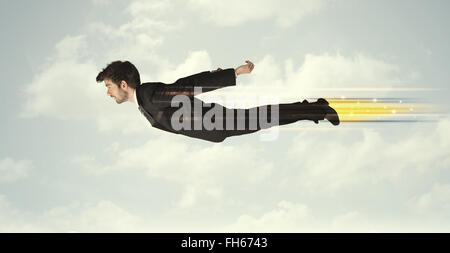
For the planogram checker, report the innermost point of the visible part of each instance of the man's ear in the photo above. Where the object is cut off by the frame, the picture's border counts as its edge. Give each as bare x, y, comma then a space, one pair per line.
123, 84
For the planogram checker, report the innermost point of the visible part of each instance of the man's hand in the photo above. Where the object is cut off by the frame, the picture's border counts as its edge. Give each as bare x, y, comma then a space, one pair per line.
245, 69
218, 69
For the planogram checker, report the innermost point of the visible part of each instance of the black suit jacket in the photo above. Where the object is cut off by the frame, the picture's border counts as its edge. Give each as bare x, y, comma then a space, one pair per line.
154, 100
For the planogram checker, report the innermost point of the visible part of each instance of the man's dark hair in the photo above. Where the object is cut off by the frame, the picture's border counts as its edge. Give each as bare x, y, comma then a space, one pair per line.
118, 71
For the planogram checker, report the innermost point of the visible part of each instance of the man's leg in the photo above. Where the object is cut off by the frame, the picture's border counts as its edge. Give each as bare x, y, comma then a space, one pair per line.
319, 110
262, 117
235, 122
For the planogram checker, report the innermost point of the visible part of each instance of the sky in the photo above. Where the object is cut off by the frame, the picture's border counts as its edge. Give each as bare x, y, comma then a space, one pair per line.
72, 160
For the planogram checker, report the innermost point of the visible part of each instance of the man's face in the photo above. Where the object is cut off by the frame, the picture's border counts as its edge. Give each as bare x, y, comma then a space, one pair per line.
119, 94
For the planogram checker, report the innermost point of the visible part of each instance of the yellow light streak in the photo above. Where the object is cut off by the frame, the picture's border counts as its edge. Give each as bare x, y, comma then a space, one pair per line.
378, 110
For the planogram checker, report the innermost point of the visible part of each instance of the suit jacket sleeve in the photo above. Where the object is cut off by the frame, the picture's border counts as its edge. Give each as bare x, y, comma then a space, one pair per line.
206, 80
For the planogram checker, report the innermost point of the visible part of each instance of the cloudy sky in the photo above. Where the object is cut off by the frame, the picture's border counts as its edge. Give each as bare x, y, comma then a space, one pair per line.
71, 159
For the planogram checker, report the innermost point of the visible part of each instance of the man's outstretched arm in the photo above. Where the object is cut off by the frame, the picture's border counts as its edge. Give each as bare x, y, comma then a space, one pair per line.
207, 80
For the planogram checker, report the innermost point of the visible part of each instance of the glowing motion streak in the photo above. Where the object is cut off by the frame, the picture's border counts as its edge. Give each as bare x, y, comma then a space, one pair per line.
381, 110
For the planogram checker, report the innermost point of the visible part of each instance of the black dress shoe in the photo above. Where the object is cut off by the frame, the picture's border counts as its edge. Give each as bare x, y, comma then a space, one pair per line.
319, 110
330, 114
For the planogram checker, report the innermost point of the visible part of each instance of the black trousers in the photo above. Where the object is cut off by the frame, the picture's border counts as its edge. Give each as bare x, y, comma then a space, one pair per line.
263, 116
216, 126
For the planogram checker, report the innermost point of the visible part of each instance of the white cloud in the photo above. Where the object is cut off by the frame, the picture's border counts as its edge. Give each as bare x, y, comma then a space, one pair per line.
159, 8
214, 162
61, 86
138, 37
101, 216
66, 89
333, 160
287, 217
234, 12
291, 217
107, 216
101, 2
11, 219
320, 75
71, 47
204, 171
350, 222
229, 13
435, 202
196, 61
91, 165
11, 170
335, 70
